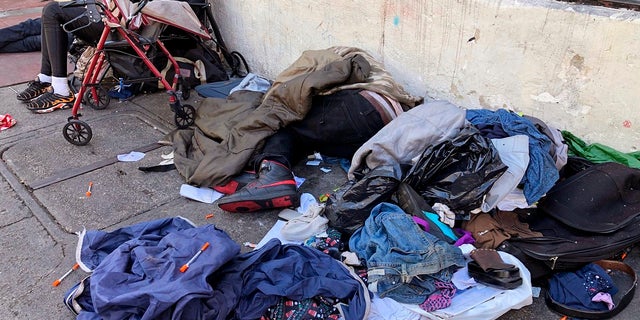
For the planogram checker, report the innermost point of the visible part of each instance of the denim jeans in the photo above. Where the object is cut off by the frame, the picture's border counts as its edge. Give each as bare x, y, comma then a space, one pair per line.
403, 261
22, 37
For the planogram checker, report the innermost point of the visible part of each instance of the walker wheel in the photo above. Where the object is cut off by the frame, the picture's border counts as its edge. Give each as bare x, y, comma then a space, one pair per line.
185, 116
77, 132
101, 101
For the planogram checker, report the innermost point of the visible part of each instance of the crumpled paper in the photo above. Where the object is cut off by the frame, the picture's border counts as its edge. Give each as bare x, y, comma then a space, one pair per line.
131, 156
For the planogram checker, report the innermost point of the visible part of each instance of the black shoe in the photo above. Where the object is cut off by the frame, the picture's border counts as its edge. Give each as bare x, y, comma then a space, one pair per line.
236, 183
506, 279
50, 102
34, 89
487, 267
274, 188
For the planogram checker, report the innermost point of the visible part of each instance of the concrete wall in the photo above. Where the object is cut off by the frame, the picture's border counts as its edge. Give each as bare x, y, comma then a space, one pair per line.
575, 67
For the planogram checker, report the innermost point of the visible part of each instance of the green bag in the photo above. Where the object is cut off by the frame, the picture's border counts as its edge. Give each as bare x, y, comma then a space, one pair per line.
599, 153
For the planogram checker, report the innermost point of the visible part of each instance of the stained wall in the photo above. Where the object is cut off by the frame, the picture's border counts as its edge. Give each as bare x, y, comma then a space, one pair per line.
575, 67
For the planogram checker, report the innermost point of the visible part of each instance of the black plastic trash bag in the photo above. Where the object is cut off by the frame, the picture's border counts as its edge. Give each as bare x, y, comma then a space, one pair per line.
457, 172
349, 206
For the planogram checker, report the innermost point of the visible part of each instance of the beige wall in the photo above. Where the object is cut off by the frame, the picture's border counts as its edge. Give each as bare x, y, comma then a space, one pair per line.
575, 67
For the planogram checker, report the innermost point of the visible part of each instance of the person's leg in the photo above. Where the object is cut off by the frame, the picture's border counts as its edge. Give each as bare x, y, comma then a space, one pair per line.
278, 147
42, 83
12, 36
27, 44
55, 42
338, 124
54, 16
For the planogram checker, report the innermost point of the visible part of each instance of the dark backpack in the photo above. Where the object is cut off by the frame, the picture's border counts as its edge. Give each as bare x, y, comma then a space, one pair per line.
563, 248
590, 216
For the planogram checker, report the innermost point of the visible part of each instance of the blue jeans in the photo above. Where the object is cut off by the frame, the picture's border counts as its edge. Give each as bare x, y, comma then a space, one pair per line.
403, 261
22, 37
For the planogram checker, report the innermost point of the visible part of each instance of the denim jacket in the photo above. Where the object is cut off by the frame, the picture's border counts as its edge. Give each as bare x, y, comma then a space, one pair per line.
403, 261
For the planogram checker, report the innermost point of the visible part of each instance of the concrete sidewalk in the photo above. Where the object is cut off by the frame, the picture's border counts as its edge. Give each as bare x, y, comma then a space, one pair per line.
43, 180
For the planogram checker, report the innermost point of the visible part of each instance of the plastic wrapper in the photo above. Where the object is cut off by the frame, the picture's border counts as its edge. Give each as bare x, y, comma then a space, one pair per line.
457, 172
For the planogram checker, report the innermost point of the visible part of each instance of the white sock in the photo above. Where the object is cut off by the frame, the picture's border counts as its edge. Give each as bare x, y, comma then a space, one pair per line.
44, 78
60, 86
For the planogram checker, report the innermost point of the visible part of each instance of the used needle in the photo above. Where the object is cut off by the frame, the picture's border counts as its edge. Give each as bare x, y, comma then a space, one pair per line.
186, 265
88, 193
57, 282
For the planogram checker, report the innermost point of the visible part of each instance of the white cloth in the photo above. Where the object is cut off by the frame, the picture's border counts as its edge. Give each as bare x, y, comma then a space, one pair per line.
408, 135
515, 199
389, 309
514, 153
309, 224
445, 214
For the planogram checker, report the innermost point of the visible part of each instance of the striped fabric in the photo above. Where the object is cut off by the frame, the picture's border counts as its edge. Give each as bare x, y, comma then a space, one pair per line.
388, 108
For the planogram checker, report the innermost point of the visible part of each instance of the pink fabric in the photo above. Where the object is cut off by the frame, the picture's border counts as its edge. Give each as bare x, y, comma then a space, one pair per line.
6, 122
441, 298
604, 297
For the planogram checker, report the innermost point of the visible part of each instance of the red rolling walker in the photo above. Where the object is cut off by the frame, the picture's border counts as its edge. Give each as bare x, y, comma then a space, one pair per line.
127, 20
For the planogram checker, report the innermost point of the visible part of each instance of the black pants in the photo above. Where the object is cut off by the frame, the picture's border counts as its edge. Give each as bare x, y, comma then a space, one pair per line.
336, 126
55, 39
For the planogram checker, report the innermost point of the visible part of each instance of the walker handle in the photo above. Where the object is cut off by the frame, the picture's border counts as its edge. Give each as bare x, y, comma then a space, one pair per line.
139, 7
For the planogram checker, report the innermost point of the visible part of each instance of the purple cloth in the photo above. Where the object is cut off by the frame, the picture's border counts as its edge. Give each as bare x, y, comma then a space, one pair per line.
465, 238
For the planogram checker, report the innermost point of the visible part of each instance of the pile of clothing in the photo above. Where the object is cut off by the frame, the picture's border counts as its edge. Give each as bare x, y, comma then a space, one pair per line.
415, 231
136, 273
